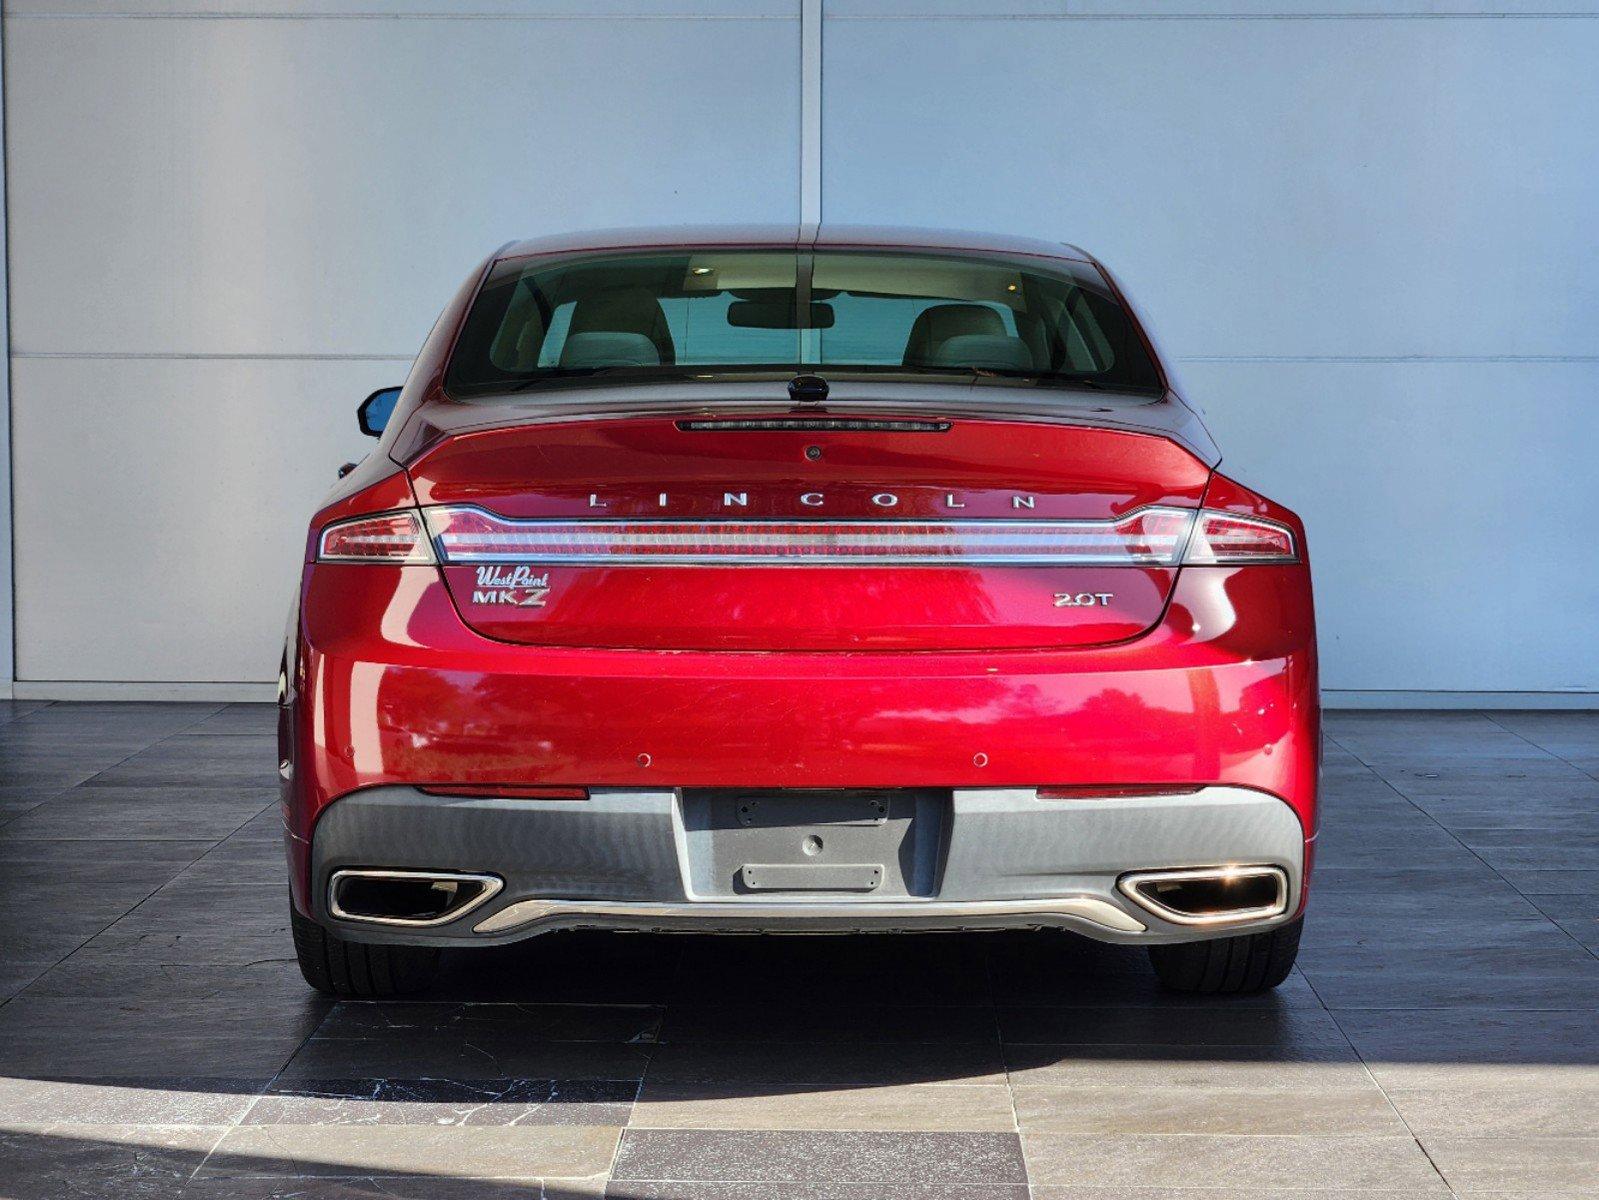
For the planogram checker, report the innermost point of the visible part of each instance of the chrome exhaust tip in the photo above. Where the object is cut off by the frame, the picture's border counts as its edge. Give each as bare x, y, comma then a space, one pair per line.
410, 898
1209, 895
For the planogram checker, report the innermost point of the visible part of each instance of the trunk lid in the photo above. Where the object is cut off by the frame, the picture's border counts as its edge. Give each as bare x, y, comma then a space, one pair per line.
907, 477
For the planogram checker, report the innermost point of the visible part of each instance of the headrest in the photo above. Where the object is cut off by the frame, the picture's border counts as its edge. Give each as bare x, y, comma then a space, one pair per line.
609, 350
935, 325
999, 353
625, 310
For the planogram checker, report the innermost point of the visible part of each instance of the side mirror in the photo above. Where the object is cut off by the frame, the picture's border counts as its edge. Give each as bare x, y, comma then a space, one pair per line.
376, 409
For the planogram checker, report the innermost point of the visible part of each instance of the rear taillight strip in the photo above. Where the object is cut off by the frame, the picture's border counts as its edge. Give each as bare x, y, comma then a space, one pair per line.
1223, 538
1151, 536
394, 537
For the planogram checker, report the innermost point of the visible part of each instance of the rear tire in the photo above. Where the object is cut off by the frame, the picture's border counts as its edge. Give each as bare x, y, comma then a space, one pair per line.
1230, 966
336, 967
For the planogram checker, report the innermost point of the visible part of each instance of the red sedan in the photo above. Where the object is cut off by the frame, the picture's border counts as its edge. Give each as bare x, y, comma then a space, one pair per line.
742, 580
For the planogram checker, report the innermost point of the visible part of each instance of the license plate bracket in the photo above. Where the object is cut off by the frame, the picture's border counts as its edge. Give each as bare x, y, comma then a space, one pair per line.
783, 811
812, 877
872, 843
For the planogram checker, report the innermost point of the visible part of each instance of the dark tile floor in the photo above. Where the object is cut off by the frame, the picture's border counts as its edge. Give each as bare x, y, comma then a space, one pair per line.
1441, 1036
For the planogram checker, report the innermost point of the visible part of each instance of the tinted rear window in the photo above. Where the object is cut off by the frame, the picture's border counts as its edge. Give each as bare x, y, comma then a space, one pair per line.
704, 313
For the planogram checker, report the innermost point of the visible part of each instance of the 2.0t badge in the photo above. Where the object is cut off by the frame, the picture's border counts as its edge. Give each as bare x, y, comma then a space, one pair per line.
513, 586
1083, 599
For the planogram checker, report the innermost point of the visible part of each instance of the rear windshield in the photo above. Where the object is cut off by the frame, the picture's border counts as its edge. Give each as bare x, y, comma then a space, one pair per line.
710, 313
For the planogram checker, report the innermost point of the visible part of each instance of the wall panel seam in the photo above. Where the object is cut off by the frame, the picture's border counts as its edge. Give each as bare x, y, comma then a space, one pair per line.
156, 356
8, 670
1388, 359
1331, 691
1234, 16
314, 356
810, 198
42, 15
1336, 699
166, 15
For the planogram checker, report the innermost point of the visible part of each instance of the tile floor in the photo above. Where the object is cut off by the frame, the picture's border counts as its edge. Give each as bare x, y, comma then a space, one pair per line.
1440, 1038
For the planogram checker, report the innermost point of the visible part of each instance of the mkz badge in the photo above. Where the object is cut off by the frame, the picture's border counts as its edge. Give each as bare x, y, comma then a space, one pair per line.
517, 587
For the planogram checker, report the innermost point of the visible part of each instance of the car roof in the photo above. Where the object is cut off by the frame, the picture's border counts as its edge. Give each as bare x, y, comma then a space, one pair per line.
899, 237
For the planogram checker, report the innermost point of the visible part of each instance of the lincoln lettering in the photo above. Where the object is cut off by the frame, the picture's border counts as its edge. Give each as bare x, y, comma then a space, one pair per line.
741, 500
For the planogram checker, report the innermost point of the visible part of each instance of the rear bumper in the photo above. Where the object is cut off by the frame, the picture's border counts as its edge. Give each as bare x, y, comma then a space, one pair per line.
387, 689
628, 860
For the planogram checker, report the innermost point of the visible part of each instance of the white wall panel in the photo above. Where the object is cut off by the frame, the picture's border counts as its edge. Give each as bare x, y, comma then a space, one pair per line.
1365, 227
1371, 245
1443, 506
216, 222
322, 186
161, 509
1275, 187
386, 9
1206, 9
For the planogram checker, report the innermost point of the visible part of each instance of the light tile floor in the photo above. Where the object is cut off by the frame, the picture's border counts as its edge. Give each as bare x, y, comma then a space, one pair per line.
1440, 1037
